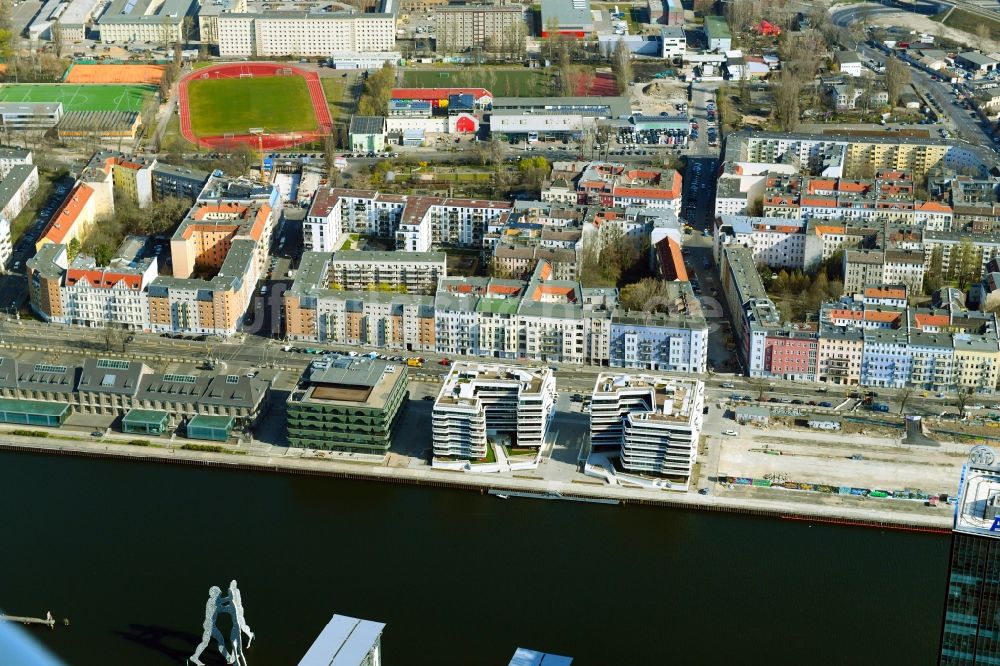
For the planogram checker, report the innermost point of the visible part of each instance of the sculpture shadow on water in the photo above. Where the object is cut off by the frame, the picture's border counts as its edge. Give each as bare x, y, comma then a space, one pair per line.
177, 645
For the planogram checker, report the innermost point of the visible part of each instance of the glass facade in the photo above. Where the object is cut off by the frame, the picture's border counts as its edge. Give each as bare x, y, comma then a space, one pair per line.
971, 632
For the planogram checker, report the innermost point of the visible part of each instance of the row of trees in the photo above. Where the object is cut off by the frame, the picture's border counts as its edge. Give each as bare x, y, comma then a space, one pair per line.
964, 267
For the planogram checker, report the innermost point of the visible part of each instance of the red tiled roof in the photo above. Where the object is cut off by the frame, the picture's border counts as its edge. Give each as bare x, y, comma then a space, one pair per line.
68, 213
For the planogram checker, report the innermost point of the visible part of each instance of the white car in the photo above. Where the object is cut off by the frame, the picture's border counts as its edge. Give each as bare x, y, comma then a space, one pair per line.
730, 433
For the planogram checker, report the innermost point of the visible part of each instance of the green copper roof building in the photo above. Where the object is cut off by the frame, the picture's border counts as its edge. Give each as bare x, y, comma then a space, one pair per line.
351, 404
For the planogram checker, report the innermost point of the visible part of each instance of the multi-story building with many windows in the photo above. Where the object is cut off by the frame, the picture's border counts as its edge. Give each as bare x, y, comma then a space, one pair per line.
970, 633
300, 33
479, 403
655, 422
348, 404
404, 272
491, 28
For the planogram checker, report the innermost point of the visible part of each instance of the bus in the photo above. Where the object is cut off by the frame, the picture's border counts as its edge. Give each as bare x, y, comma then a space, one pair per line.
532, 137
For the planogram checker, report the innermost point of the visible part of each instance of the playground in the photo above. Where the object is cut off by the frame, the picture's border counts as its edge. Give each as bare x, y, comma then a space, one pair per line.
79, 97
219, 105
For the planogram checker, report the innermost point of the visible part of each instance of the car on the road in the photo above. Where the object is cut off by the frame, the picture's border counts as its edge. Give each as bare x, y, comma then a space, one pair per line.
97, 433
826, 403
730, 433
703, 491
727, 385
444, 362
576, 397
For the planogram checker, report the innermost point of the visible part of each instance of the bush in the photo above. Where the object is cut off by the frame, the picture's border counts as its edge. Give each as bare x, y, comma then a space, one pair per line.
139, 442
207, 448
31, 433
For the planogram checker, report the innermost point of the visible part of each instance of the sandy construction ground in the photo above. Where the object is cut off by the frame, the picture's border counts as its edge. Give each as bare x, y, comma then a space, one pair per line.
826, 458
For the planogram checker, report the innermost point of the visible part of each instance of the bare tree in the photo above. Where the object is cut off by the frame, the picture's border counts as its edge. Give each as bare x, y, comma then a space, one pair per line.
962, 399
57, 39
897, 77
115, 335
622, 63
786, 101
904, 397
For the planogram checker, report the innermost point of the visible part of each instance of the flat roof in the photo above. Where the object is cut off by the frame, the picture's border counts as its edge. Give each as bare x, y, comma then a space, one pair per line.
352, 381
33, 407
210, 421
979, 500
344, 641
569, 14
145, 416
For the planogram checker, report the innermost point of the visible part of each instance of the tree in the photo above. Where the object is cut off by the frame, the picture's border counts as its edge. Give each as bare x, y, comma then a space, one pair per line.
622, 63
57, 39
114, 336
897, 77
962, 398
329, 154
646, 295
904, 397
8, 34
786, 101
73, 249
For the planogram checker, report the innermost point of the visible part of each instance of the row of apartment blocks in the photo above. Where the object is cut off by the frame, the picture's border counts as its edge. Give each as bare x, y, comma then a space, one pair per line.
417, 223
873, 254
543, 318
850, 156
952, 203
218, 253
653, 423
872, 339
110, 386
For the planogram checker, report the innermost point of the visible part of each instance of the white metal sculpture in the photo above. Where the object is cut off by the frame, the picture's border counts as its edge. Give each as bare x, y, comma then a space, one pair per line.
231, 605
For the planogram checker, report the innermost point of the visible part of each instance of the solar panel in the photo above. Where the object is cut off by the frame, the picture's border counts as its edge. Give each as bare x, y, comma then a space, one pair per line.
112, 364
180, 379
232, 379
52, 369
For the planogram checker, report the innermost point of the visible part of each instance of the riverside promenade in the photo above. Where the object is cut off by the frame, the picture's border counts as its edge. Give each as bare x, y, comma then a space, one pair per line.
799, 505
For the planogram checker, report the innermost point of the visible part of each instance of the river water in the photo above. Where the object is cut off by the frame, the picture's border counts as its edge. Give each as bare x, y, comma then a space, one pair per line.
128, 551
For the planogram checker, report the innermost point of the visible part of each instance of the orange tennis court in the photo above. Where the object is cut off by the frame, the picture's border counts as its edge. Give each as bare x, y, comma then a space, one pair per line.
147, 74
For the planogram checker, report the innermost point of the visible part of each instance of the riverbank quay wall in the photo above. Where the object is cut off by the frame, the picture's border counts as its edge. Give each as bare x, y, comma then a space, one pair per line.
939, 522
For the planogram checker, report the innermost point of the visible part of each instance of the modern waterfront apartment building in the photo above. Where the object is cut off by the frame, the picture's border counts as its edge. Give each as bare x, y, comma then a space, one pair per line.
655, 422
970, 634
349, 404
479, 402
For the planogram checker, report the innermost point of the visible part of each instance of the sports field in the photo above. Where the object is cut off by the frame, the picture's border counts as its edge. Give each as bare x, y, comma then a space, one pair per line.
521, 82
79, 97
233, 106
145, 74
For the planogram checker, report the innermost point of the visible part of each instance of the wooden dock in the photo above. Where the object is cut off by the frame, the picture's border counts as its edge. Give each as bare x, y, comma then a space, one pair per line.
47, 621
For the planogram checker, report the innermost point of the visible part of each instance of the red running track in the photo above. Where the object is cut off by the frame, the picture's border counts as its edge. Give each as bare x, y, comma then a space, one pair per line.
272, 141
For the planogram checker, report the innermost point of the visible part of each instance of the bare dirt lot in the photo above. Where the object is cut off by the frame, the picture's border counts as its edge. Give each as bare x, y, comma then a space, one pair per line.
826, 459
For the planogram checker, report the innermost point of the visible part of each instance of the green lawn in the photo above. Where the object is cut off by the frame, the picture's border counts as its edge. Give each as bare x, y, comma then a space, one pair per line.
521, 82
232, 106
334, 91
79, 96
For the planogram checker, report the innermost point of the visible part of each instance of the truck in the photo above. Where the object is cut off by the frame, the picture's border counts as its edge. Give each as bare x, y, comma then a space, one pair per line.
414, 363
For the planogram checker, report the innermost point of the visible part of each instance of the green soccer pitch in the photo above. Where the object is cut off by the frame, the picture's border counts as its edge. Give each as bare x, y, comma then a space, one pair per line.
79, 97
233, 106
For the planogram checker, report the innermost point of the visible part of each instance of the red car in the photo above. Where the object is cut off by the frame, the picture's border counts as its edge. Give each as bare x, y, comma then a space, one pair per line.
444, 361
